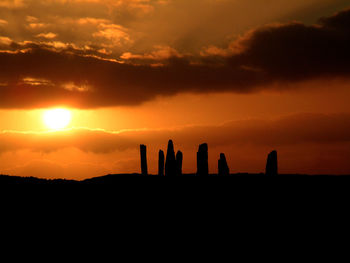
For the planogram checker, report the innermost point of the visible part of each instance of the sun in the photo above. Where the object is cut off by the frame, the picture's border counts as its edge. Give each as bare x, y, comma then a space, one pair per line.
57, 119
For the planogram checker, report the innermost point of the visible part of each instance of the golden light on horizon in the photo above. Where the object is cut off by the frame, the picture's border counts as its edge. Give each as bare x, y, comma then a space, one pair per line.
56, 119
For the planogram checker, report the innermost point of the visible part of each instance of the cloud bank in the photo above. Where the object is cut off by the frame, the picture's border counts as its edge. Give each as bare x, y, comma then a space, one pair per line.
289, 130
41, 75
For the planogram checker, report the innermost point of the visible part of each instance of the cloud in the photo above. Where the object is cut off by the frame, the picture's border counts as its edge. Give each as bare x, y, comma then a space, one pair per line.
162, 53
273, 55
114, 33
286, 131
3, 22
294, 51
49, 35
5, 41
12, 3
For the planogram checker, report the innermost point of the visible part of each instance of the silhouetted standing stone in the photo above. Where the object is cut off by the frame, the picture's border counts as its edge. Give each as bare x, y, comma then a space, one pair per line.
143, 152
179, 159
170, 163
223, 167
202, 160
161, 163
272, 165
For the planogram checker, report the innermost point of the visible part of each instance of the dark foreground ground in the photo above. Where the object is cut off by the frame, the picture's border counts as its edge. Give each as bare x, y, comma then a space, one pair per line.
114, 179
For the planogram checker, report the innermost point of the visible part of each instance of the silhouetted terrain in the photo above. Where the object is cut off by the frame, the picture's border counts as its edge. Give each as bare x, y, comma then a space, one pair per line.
118, 178
5, 179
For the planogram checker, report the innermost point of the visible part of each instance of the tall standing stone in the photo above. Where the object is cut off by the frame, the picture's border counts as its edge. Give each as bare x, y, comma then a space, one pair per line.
170, 163
179, 160
202, 160
272, 164
161, 163
143, 152
222, 165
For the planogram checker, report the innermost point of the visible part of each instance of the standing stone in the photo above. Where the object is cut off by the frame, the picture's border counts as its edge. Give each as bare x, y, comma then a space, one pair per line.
223, 167
170, 163
272, 165
143, 152
202, 160
161, 163
179, 159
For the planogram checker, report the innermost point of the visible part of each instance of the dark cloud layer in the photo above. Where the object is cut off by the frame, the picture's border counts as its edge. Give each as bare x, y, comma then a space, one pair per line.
297, 52
41, 75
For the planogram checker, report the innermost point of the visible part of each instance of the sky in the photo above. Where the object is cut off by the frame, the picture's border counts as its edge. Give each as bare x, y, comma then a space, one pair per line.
247, 77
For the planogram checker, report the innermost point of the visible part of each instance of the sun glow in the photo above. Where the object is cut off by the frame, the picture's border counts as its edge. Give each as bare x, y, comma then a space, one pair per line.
57, 119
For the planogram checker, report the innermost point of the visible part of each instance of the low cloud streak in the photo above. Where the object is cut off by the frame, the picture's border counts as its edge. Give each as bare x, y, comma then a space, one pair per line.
289, 130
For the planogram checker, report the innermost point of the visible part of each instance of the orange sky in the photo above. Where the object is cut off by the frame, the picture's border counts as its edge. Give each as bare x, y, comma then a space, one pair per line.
247, 77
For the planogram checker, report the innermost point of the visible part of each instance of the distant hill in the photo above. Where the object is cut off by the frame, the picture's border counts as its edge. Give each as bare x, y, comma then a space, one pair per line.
6, 179
114, 179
